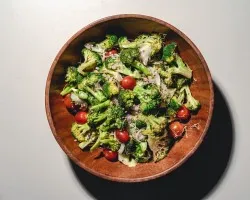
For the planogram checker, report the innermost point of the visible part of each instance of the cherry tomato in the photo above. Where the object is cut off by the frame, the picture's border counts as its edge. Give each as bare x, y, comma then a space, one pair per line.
183, 113
128, 82
81, 117
122, 135
110, 155
68, 102
110, 53
176, 129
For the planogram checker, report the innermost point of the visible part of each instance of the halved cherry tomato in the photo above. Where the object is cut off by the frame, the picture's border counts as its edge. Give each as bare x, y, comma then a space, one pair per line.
110, 53
122, 135
110, 155
68, 102
81, 117
183, 113
128, 82
176, 129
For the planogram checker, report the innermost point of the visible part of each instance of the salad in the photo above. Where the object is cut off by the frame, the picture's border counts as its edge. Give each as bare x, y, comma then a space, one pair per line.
130, 98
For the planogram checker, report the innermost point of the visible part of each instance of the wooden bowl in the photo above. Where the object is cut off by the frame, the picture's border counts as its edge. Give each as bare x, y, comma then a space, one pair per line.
60, 120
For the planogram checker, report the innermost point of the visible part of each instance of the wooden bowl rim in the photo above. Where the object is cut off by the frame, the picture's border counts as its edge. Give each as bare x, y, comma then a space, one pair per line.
47, 97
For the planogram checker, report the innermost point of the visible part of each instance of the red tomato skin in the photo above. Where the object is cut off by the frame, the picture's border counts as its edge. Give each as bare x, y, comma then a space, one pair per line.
110, 53
122, 136
128, 82
110, 155
81, 117
68, 102
183, 113
176, 129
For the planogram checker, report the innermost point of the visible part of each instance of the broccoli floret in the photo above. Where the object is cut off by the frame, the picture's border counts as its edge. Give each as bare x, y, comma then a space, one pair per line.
89, 139
166, 92
181, 81
67, 89
110, 143
191, 103
148, 45
111, 118
92, 100
109, 42
149, 97
106, 44
114, 74
138, 65
175, 103
140, 148
100, 106
106, 140
123, 42
110, 89
94, 78
98, 94
114, 63
140, 124
155, 125
95, 118
91, 84
91, 60
71, 75
181, 69
126, 98
115, 118
79, 131
97, 113
138, 151
177, 100
128, 56
167, 77
141, 153
101, 136
168, 52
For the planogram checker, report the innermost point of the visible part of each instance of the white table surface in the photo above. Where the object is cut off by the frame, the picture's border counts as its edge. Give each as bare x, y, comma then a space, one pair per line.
32, 164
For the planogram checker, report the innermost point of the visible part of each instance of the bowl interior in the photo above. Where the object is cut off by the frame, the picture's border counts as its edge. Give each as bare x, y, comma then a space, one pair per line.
60, 120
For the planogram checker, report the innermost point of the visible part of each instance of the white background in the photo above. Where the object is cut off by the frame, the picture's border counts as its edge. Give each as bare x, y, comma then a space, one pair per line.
32, 164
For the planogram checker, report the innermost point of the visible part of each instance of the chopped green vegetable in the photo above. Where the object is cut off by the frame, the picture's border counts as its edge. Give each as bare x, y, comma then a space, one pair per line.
131, 92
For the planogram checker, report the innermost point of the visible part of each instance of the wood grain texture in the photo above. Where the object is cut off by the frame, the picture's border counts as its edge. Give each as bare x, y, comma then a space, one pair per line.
60, 120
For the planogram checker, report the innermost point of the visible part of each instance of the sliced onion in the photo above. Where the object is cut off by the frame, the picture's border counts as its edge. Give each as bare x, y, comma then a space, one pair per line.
76, 99
122, 147
125, 160
145, 51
